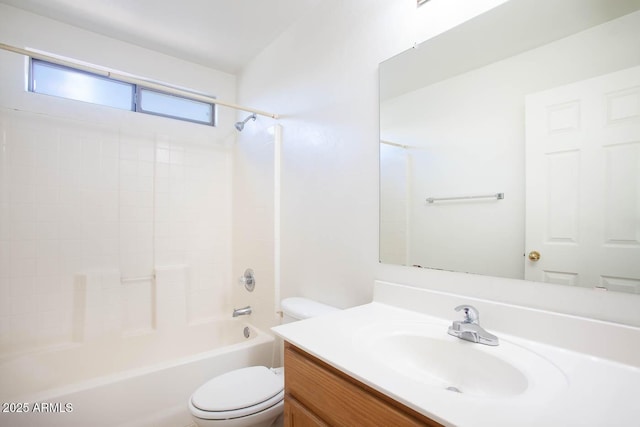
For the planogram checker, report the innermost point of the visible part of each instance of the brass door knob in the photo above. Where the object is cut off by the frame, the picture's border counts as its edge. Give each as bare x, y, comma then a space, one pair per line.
534, 256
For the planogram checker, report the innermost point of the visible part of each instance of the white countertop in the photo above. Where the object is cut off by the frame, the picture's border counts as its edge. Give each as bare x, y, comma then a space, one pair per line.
595, 391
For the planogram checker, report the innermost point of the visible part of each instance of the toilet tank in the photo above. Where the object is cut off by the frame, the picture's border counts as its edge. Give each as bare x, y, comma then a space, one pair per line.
297, 308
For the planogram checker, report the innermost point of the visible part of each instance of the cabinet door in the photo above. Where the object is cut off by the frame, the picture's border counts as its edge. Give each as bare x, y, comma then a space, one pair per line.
296, 415
340, 400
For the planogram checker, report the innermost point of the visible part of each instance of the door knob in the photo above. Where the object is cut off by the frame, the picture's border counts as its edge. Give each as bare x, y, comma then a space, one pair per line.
534, 256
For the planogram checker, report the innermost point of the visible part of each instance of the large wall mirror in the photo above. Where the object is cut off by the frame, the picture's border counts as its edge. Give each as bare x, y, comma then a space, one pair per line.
510, 146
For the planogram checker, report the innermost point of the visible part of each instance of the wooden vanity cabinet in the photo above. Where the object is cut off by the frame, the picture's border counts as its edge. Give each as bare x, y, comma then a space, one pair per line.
317, 394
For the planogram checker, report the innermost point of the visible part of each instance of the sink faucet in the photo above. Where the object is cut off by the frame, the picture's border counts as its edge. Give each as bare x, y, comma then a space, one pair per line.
244, 311
469, 329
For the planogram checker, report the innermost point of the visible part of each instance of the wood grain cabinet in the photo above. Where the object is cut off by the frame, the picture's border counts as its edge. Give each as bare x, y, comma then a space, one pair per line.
317, 394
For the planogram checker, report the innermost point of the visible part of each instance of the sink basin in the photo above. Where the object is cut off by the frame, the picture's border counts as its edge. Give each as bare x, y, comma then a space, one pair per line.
425, 354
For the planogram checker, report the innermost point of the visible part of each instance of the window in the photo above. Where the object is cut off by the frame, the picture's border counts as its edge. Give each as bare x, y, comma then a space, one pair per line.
56, 80
163, 104
65, 82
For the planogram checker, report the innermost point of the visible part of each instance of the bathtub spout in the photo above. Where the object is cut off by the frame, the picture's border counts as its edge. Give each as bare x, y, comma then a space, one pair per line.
244, 311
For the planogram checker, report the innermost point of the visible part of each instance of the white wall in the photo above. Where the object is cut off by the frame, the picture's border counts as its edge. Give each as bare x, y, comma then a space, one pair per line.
91, 189
255, 237
321, 75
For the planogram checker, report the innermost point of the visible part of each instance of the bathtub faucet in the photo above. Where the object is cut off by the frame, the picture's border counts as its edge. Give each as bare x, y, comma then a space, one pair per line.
244, 311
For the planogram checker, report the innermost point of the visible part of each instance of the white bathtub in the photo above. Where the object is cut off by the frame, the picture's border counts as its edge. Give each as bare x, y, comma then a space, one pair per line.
129, 381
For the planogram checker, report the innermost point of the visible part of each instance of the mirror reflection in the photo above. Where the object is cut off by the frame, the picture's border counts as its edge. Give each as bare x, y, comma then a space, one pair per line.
510, 146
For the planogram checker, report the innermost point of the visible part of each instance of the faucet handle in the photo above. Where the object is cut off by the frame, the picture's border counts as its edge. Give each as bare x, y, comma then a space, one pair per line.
471, 314
248, 279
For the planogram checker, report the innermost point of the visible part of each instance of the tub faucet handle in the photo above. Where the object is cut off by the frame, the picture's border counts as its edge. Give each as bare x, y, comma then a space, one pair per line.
248, 279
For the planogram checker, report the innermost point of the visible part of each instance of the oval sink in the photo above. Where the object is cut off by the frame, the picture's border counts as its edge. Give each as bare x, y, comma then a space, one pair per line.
425, 353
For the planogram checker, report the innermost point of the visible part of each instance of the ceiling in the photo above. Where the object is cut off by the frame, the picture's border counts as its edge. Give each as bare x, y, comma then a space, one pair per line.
221, 34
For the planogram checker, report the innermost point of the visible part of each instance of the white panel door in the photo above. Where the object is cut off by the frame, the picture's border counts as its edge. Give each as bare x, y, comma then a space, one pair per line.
583, 183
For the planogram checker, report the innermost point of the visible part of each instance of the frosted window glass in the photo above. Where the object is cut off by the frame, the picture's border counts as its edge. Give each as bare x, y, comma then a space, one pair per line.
56, 80
167, 105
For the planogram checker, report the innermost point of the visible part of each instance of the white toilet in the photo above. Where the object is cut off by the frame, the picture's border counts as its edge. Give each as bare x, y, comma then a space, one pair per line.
253, 396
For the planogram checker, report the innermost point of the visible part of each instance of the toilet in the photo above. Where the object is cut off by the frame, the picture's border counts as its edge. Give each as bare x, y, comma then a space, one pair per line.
253, 396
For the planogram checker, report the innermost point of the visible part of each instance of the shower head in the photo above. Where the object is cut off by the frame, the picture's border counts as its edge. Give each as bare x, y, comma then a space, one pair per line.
240, 125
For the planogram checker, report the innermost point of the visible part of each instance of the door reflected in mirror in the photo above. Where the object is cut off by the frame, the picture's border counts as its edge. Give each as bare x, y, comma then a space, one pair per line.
546, 115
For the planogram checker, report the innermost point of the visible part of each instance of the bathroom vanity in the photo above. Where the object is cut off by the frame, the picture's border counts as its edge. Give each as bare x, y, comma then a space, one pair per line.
392, 362
316, 394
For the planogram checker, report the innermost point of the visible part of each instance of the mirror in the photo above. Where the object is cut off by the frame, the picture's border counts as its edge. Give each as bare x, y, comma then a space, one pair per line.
510, 146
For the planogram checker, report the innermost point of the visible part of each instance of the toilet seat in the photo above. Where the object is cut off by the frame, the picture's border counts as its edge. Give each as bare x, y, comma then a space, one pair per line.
238, 393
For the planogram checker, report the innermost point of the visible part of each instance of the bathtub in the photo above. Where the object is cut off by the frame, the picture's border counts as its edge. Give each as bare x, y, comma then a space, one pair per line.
132, 381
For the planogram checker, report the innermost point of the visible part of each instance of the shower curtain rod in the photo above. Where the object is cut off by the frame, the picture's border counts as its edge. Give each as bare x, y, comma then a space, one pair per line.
134, 80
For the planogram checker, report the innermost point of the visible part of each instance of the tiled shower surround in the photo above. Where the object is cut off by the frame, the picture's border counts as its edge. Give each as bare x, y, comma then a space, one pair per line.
84, 206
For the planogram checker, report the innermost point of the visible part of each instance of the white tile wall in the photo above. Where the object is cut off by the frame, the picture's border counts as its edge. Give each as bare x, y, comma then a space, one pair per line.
78, 198
255, 236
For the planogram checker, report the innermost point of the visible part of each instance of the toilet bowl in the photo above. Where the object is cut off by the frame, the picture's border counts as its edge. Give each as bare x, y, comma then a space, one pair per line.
253, 396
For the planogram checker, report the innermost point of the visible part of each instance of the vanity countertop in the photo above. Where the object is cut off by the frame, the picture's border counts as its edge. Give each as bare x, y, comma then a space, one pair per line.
593, 391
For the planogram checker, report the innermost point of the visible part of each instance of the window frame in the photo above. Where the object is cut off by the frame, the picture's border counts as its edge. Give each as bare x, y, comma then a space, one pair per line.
136, 93
31, 86
138, 106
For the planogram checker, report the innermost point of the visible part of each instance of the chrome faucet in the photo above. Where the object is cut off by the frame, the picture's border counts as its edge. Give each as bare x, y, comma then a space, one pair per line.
469, 329
244, 311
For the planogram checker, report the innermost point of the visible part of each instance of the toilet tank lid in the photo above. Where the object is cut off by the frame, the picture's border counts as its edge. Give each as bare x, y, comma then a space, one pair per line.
303, 308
